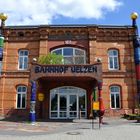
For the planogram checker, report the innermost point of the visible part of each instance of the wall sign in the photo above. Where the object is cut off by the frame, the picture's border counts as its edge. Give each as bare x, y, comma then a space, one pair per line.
65, 69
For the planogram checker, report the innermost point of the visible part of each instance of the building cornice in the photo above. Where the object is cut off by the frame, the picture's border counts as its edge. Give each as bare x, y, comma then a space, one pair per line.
68, 32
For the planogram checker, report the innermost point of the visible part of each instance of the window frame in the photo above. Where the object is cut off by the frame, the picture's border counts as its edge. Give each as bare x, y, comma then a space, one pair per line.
113, 59
21, 97
114, 94
23, 59
73, 56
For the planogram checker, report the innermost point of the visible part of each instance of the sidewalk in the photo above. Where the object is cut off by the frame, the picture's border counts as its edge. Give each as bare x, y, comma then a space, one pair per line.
112, 129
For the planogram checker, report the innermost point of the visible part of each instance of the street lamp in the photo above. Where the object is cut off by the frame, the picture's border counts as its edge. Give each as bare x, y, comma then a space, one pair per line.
3, 18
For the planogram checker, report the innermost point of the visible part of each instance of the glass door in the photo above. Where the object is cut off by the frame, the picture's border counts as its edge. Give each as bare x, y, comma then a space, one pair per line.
68, 103
72, 106
62, 106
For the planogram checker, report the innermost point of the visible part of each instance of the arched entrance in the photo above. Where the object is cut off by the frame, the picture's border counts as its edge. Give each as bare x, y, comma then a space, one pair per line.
73, 96
68, 103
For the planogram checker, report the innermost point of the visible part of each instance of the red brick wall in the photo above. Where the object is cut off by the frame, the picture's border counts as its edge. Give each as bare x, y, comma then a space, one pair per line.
97, 45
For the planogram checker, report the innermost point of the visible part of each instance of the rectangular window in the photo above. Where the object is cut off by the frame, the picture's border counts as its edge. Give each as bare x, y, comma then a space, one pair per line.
115, 97
113, 60
21, 97
23, 60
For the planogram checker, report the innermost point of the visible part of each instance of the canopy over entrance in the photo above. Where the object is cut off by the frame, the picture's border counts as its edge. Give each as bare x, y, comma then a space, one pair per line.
52, 77
88, 70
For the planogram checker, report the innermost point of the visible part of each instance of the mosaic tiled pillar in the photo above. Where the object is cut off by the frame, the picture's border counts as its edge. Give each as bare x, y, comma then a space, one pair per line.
136, 44
1, 47
101, 105
33, 102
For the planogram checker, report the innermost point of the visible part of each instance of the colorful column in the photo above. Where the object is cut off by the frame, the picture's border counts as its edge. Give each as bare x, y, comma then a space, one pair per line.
136, 44
32, 116
3, 17
1, 47
101, 106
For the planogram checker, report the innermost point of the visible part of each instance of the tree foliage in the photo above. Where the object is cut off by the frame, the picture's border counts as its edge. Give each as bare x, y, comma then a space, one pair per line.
50, 58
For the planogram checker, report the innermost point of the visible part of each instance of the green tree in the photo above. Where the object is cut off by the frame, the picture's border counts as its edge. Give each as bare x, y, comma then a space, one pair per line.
50, 58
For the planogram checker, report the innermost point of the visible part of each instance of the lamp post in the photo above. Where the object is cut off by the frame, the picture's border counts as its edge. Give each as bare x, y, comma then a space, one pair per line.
3, 18
136, 45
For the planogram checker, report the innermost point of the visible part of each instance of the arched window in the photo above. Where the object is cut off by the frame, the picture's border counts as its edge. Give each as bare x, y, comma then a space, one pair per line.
115, 97
71, 55
23, 59
21, 97
113, 59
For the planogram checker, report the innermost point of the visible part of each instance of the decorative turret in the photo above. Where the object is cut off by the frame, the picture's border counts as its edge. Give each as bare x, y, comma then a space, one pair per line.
136, 44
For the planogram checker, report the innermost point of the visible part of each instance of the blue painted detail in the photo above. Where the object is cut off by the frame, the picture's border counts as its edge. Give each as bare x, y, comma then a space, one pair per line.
32, 117
33, 91
136, 42
32, 101
1, 54
137, 55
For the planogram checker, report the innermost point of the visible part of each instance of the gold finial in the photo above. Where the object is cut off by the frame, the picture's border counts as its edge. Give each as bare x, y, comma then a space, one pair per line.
134, 15
3, 16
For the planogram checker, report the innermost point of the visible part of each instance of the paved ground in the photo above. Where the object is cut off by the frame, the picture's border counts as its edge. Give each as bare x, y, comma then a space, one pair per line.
112, 129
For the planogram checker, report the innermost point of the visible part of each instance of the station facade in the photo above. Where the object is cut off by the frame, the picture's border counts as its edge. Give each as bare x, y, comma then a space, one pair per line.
95, 58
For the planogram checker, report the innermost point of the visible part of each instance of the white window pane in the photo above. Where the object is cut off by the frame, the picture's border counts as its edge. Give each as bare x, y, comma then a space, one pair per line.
20, 63
58, 52
110, 53
116, 89
25, 53
116, 63
23, 100
68, 60
79, 52
112, 89
112, 101
19, 89
117, 101
79, 60
115, 53
54, 102
18, 100
68, 52
25, 62
23, 89
111, 62
21, 53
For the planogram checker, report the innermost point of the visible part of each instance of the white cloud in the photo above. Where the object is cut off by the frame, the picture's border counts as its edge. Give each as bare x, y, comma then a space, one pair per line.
31, 12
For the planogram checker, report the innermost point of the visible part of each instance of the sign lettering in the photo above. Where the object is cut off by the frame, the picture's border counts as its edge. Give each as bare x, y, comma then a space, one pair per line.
64, 69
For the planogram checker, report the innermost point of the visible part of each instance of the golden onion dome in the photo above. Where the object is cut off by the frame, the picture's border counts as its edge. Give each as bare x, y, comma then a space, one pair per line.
3, 16
134, 15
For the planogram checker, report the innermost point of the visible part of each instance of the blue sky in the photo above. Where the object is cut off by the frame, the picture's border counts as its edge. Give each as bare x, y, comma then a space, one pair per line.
41, 12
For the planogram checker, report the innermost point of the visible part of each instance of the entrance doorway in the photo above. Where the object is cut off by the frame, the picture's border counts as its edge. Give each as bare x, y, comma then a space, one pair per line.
68, 103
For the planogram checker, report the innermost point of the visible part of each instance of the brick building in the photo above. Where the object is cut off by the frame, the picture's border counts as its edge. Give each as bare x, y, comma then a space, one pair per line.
92, 54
